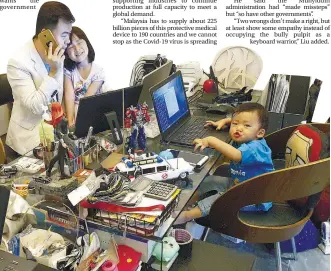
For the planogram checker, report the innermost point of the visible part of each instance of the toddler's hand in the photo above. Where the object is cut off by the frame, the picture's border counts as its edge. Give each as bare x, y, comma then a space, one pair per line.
182, 218
201, 143
218, 124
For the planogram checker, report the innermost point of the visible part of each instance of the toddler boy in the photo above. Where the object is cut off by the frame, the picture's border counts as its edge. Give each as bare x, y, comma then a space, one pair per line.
249, 154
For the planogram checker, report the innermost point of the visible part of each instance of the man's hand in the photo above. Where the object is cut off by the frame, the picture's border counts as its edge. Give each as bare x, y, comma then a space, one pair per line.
55, 60
218, 124
201, 143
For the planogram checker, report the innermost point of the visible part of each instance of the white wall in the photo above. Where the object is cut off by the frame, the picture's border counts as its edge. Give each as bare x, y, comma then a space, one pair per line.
95, 19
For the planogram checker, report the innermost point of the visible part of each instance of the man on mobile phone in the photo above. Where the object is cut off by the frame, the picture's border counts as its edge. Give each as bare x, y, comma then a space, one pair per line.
35, 74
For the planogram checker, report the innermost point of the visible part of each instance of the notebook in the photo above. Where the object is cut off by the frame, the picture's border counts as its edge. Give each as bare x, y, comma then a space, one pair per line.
177, 125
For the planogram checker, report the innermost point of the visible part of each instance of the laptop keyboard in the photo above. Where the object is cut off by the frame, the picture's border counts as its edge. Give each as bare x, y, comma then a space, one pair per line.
194, 129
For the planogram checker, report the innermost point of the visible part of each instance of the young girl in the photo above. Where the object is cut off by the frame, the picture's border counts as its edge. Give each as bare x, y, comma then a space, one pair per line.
82, 76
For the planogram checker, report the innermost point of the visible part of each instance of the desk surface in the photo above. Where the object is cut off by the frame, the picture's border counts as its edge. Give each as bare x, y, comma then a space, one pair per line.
186, 194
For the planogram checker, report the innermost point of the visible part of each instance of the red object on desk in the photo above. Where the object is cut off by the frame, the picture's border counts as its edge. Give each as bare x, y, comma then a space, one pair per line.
109, 266
209, 86
113, 208
129, 258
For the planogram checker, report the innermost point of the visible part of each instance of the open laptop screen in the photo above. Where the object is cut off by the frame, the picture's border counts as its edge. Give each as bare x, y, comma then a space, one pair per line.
170, 102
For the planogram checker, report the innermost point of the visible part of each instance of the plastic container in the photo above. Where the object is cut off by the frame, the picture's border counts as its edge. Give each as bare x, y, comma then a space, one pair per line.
184, 240
20, 186
109, 266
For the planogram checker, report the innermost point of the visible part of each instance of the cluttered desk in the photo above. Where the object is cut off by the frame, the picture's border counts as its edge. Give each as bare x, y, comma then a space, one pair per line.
109, 191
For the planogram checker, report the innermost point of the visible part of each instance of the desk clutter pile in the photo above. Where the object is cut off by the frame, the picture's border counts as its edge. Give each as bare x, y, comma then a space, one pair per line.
48, 218
72, 251
118, 205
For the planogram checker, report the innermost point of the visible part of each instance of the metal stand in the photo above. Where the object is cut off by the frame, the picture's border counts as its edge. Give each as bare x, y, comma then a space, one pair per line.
293, 255
278, 257
294, 249
114, 127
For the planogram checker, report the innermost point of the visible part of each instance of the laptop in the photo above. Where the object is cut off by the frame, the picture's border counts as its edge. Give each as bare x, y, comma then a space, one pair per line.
177, 125
9, 261
151, 80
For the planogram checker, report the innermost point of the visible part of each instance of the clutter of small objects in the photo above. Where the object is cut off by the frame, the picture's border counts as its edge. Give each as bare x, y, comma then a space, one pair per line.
128, 197
57, 195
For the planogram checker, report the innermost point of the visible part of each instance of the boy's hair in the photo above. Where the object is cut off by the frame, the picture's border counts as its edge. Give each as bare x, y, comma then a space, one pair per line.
68, 63
254, 107
49, 15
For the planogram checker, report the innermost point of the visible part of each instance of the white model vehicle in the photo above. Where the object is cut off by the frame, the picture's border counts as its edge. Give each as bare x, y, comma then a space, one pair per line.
156, 168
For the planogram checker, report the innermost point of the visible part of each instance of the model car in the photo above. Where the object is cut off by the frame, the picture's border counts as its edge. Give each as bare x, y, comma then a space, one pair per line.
156, 168
8, 170
42, 179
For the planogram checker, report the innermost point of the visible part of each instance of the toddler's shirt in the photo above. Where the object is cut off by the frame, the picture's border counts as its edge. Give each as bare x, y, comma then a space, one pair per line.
256, 160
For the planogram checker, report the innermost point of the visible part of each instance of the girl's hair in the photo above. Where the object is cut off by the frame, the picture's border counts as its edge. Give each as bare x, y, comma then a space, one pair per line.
68, 63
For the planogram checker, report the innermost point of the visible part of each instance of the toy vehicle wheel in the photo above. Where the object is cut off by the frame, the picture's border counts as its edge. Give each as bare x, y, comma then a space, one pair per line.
183, 175
181, 183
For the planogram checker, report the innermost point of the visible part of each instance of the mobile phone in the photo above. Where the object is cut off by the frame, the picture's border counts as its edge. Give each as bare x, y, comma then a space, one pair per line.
46, 37
195, 159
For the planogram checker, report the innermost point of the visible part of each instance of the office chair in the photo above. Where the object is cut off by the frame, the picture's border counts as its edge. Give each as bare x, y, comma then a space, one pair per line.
6, 94
283, 221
